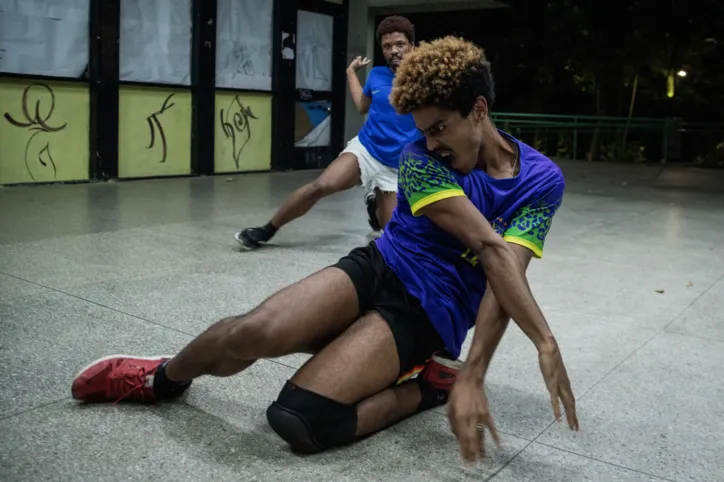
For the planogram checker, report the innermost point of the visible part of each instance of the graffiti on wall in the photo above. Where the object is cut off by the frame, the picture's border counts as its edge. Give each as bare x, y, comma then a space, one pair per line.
39, 132
155, 124
35, 119
154, 132
243, 132
235, 122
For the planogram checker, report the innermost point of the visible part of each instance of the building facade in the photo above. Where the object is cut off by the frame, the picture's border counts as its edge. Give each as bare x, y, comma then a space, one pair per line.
125, 89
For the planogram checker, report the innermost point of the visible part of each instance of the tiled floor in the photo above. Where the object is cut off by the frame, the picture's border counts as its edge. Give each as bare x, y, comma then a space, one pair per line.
632, 283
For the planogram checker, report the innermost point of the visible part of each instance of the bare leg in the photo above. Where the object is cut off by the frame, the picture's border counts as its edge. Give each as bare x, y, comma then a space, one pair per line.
387, 407
342, 174
301, 317
386, 203
361, 362
358, 368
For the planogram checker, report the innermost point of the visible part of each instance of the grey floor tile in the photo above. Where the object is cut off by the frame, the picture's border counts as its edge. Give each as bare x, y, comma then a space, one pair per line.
591, 347
193, 297
656, 242
12, 287
539, 463
48, 338
42, 212
78, 260
170, 442
397, 452
659, 412
317, 231
423, 448
653, 298
704, 318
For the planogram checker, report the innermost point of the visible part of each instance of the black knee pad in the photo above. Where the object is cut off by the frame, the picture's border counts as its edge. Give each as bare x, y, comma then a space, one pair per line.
309, 422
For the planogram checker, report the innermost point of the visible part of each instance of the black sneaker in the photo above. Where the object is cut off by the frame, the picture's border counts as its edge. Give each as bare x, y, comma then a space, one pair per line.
252, 238
371, 202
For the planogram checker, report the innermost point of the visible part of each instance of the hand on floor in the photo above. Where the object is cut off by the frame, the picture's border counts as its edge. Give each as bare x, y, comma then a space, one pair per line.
469, 417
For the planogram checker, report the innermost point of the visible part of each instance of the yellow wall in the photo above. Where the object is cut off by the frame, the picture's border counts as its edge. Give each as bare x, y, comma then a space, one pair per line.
43, 131
154, 132
242, 140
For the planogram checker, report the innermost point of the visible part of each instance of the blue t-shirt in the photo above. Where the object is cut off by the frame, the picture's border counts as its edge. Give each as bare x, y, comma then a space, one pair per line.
385, 133
434, 265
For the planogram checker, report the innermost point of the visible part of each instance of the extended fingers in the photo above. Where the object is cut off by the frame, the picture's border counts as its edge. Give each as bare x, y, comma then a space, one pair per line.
491, 426
468, 438
555, 402
569, 404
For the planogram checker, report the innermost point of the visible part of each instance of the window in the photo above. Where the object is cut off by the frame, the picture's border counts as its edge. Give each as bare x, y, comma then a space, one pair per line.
155, 43
244, 44
44, 37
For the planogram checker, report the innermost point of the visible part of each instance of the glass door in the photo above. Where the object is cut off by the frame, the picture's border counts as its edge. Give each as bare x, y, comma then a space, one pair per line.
318, 110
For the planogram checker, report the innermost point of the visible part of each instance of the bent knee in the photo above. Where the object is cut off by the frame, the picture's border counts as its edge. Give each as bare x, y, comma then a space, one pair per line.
322, 187
309, 422
253, 336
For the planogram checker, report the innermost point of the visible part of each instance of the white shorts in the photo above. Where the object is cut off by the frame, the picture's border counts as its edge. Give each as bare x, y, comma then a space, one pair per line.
373, 173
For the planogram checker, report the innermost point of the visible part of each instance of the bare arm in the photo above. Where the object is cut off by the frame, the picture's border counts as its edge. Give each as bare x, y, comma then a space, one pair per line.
458, 216
355, 88
490, 326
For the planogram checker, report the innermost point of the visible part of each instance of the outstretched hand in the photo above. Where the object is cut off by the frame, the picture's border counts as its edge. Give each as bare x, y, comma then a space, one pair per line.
358, 63
469, 417
558, 384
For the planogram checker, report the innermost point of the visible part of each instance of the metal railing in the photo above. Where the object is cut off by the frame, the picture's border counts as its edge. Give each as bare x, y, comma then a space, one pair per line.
622, 139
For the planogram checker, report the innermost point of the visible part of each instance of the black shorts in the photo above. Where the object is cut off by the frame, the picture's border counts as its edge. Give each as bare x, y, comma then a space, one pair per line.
379, 289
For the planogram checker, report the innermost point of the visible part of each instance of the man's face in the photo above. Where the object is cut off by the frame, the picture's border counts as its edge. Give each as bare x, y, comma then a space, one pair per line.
455, 138
394, 47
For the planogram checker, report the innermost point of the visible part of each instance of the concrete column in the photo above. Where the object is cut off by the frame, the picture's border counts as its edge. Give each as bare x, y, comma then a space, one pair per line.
357, 44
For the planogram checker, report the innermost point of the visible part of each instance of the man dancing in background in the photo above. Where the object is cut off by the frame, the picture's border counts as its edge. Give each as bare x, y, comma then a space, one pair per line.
371, 158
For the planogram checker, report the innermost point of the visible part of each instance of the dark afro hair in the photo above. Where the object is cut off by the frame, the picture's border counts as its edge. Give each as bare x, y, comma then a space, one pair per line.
449, 73
395, 24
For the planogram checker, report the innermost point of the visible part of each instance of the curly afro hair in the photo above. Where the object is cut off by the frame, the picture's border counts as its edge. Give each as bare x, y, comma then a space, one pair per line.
395, 24
449, 73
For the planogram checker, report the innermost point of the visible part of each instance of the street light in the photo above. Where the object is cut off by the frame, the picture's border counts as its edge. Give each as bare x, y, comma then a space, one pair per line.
681, 73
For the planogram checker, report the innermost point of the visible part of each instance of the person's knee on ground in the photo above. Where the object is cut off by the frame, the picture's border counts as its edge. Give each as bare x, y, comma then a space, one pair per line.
312, 423
309, 422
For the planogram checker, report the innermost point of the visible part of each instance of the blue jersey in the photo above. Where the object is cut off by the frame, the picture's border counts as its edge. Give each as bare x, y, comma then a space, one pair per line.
385, 133
435, 266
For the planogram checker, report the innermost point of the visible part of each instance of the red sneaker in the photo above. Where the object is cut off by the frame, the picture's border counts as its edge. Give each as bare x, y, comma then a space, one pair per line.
442, 373
118, 377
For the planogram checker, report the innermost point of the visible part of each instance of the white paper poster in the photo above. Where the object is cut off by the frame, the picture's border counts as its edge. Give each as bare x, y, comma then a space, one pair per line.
155, 43
244, 44
314, 51
44, 37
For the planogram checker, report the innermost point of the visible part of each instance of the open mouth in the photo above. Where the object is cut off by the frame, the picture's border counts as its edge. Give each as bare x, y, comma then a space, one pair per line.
446, 156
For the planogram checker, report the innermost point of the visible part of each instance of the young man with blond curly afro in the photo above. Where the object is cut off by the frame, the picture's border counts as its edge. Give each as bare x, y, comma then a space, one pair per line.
474, 207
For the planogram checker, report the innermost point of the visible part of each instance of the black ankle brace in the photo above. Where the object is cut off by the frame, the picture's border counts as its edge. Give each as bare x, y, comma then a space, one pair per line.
165, 388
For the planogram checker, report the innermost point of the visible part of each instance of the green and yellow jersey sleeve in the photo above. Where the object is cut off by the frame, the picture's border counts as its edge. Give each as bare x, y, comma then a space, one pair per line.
530, 224
423, 180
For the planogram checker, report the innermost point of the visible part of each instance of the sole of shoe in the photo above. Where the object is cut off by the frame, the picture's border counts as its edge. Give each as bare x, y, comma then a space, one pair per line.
242, 243
109, 357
